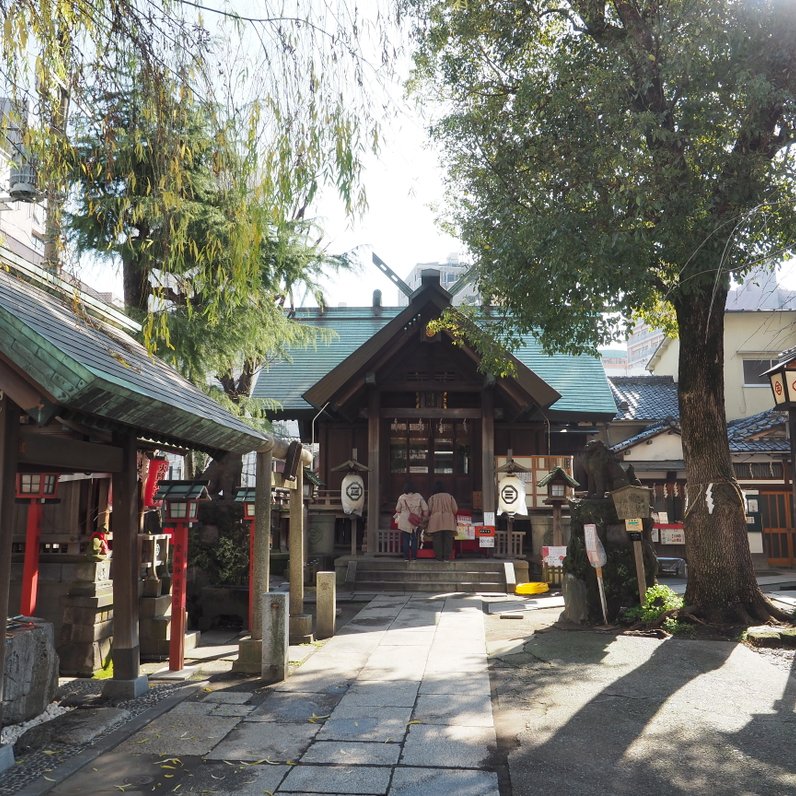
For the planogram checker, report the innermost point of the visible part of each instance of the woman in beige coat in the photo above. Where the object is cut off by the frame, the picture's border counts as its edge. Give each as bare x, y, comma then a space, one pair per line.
442, 522
410, 503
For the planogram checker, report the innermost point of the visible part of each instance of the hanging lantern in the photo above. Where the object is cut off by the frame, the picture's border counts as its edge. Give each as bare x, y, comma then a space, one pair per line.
511, 492
352, 494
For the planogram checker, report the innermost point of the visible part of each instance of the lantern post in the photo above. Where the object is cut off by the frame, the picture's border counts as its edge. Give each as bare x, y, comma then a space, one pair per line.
181, 508
246, 495
35, 489
557, 482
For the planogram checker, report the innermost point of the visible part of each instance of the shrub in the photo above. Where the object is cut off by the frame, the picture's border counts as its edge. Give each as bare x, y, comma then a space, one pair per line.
658, 600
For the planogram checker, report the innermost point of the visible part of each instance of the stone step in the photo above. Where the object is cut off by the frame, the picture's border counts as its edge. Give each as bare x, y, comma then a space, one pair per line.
430, 566
470, 587
432, 577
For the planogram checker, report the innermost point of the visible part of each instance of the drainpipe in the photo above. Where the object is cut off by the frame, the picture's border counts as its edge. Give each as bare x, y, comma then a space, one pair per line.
312, 441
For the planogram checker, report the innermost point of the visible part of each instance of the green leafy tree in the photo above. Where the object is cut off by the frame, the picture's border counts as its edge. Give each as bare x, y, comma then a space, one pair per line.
609, 156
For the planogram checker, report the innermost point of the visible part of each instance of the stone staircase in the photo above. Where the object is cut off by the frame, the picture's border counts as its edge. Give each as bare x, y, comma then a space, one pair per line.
471, 575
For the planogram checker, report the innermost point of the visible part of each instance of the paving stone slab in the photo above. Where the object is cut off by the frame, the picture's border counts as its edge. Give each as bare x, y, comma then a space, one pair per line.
353, 753
347, 711
262, 740
468, 709
370, 728
443, 782
465, 642
340, 662
220, 779
229, 697
448, 746
215, 708
113, 773
378, 694
175, 734
337, 779
315, 683
281, 706
456, 664
414, 637
393, 670
456, 683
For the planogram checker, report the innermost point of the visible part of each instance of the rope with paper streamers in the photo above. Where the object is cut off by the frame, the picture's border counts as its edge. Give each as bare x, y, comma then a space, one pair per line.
707, 489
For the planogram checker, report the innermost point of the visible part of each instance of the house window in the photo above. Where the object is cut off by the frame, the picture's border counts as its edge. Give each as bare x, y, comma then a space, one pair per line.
752, 368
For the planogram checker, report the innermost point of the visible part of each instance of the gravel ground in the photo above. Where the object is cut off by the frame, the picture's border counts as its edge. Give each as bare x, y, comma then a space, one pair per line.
781, 658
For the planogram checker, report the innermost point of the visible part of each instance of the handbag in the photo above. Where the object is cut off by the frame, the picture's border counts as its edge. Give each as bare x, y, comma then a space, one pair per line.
415, 519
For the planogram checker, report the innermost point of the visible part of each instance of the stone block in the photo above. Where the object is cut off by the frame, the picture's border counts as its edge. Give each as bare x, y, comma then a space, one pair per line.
31, 672
82, 660
98, 602
326, 604
250, 656
76, 615
155, 606
84, 633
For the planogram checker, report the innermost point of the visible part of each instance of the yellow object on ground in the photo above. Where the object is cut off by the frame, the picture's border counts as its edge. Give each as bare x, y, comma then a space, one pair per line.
531, 588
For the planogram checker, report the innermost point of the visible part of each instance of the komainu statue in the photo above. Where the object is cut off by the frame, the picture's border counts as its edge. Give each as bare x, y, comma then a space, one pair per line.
598, 470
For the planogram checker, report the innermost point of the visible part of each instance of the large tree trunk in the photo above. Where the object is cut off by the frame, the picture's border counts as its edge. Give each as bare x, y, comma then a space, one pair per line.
721, 582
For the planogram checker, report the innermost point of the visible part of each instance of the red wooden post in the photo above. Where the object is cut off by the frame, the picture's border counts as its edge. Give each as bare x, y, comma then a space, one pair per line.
30, 570
179, 567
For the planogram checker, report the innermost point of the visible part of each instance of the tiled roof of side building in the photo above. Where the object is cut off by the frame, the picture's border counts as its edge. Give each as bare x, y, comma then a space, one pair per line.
580, 380
645, 397
93, 368
667, 425
754, 434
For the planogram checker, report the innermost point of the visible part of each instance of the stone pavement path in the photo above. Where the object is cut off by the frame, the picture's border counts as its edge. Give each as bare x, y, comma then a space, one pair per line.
397, 703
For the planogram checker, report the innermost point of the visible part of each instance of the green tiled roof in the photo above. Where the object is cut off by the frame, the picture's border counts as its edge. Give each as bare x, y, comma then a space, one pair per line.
580, 380
99, 372
286, 382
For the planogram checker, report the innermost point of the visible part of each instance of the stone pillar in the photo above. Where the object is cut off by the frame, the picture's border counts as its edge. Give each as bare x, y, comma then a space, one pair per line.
300, 623
249, 659
275, 642
262, 540
325, 604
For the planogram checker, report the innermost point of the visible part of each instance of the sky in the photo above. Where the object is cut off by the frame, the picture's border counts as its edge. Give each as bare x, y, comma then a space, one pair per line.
405, 191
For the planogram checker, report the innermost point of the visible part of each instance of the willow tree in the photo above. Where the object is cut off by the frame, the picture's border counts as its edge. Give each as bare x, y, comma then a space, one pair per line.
300, 73
607, 156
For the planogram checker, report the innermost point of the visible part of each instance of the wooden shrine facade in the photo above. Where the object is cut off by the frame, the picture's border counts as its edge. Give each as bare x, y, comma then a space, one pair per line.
416, 407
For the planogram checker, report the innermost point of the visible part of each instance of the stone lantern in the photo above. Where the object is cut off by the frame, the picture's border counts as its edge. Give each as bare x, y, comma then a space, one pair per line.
557, 482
